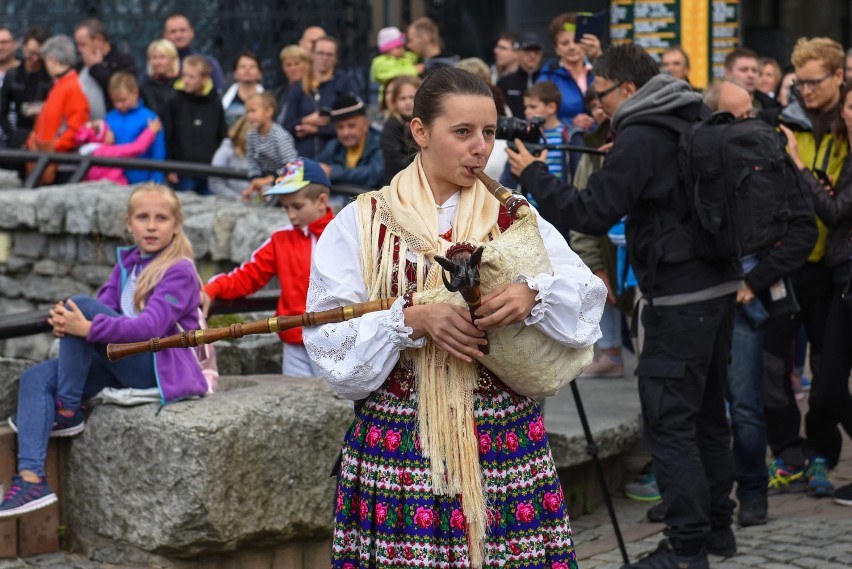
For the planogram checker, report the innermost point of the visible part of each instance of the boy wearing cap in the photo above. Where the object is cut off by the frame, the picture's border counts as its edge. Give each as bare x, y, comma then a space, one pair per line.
355, 157
393, 59
302, 189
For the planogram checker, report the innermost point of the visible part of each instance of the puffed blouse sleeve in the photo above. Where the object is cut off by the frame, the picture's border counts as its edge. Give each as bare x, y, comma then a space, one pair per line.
355, 356
570, 302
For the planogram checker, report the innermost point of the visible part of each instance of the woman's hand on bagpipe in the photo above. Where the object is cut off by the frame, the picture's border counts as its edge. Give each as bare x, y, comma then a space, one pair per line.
505, 305
449, 326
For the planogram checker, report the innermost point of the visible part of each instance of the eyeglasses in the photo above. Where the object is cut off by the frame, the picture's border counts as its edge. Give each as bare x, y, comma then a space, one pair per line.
324, 54
601, 94
811, 83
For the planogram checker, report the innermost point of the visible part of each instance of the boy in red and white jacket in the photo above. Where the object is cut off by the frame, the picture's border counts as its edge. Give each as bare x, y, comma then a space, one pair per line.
303, 190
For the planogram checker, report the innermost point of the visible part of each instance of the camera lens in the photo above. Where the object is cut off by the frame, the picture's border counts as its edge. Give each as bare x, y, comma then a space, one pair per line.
510, 128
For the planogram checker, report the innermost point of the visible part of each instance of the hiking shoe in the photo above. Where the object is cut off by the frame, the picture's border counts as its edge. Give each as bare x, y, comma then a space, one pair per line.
23, 497
819, 485
643, 488
753, 512
665, 557
843, 495
722, 542
62, 426
604, 365
657, 513
783, 480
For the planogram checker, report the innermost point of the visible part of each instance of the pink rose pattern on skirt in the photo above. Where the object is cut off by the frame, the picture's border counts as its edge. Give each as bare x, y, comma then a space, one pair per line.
386, 516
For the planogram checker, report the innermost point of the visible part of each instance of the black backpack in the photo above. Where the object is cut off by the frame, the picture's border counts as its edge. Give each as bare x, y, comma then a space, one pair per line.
735, 173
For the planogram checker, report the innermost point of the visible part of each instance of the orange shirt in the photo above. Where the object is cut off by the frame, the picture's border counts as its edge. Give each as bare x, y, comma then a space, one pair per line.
65, 110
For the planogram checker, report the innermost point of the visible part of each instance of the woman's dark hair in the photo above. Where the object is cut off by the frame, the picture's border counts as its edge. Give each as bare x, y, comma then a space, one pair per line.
40, 35
248, 55
429, 100
839, 130
626, 62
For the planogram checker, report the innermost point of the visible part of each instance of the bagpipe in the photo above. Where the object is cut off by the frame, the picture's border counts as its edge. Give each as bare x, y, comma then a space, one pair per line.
524, 358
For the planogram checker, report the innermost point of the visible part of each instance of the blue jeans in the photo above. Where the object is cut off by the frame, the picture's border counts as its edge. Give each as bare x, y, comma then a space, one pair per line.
610, 328
81, 371
744, 395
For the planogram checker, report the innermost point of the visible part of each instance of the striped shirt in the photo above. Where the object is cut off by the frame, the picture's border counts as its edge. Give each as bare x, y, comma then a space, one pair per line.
555, 163
266, 154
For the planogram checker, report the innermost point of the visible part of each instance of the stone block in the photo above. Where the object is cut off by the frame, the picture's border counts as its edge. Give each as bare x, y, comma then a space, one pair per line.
16, 265
111, 210
197, 230
18, 209
92, 275
252, 230
35, 348
12, 305
51, 289
62, 248
10, 372
222, 229
260, 354
51, 209
9, 179
51, 268
10, 286
246, 467
82, 210
29, 244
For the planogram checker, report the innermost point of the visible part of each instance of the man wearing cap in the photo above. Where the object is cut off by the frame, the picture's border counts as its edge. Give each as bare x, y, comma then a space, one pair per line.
355, 157
529, 48
302, 188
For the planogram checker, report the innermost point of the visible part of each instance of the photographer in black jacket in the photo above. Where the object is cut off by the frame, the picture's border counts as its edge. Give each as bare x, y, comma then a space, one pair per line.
688, 311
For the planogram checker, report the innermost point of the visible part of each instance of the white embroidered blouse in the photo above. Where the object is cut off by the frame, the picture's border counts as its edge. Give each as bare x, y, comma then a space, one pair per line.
356, 356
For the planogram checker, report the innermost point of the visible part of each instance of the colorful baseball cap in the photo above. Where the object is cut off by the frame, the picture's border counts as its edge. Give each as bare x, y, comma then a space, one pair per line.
296, 175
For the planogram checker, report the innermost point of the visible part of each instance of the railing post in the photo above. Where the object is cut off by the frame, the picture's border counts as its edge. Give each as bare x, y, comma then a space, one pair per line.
38, 170
82, 169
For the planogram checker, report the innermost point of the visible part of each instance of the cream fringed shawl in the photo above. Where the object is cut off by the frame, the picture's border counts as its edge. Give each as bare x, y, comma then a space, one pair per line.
445, 384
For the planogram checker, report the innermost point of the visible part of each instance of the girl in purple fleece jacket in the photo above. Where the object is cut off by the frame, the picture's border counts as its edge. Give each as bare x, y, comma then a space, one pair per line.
153, 288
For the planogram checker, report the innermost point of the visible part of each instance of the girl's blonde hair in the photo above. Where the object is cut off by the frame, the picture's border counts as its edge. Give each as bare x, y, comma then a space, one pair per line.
238, 133
179, 249
167, 48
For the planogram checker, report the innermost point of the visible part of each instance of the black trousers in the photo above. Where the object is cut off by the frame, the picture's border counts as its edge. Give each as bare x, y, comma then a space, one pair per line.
830, 402
682, 372
812, 286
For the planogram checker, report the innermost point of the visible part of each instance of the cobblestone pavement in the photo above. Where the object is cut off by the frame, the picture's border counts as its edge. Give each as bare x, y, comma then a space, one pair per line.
803, 532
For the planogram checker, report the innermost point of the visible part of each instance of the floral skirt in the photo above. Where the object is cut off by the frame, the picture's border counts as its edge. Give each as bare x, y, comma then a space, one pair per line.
386, 516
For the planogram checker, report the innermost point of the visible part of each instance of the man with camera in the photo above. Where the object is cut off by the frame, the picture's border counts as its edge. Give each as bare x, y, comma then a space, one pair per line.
688, 307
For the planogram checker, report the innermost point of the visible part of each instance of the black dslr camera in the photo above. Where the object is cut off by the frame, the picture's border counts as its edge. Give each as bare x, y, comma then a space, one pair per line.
510, 128
531, 132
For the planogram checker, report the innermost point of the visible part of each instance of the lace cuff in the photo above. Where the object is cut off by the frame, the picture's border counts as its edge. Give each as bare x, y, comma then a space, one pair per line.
398, 333
541, 284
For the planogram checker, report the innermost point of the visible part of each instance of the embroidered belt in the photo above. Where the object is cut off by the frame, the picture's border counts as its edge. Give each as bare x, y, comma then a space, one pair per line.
400, 382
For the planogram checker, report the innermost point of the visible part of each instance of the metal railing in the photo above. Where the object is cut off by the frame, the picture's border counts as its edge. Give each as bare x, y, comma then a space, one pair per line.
35, 321
84, 162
